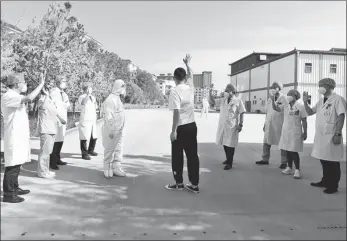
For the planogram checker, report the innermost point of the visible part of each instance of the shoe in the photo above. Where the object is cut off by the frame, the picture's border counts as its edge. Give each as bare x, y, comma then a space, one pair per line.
225, 162
61, 163
228, 167
191, 188
13, 199
175, 186
283, 166
330, 191
93, 153
262, 162
86, 157
54, 167
45, 175
317, 184
288, 171
20, 191
297, 174
119, 172
51, 173
108, 173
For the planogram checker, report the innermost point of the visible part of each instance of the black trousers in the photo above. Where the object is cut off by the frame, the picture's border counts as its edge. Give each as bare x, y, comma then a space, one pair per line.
293, 157
55, 155
186, 141
10, 182
331, 174
229, 153
92, 143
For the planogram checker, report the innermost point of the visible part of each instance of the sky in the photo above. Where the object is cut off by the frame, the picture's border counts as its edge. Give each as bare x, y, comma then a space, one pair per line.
156, 35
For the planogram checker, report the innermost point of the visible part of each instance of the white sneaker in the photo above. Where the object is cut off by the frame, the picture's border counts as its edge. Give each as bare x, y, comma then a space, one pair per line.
51, 173
108, 173
119, 172
288, 171
45, 175
297, 174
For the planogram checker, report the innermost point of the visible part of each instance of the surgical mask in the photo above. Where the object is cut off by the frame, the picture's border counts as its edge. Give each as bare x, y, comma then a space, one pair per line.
322, 90
290, 98
24, 89
123, 91
90, 90
273, 91
62, 85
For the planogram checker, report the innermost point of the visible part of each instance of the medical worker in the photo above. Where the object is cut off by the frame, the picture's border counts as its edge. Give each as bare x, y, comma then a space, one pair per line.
62, 102
205, 106
328, 142
273, 125
294, 131
113, 130
48, 116
16, 133
230, 123
87, 123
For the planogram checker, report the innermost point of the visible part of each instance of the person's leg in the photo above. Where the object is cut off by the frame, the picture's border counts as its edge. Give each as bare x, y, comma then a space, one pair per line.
43, 158
226, 154
332, 177
289, 169
118, 155
10, 184
230, 160
296, 159
92, 144
83, 145
284, 160
321, 183
60, 146
266, 155
54, 157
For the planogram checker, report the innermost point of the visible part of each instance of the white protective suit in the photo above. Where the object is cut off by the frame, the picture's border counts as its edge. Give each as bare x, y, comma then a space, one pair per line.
326, 117
227, 131
114, 120
274, 121
16, 129
205, 107
62, 102
87, 125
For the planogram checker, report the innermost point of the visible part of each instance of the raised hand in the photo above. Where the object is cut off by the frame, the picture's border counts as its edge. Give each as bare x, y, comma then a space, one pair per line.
304, 96
187, 59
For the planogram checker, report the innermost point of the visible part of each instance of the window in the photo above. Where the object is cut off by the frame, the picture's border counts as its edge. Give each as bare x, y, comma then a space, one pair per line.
308, 67
333, 68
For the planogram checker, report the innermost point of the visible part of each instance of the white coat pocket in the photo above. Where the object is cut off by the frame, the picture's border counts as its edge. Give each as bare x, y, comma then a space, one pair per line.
329, 128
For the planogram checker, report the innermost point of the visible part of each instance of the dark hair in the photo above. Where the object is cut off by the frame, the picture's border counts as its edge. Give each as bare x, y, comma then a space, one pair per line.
180, 74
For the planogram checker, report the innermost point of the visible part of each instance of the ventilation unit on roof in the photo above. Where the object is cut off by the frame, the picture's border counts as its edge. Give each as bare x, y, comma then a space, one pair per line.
262, 57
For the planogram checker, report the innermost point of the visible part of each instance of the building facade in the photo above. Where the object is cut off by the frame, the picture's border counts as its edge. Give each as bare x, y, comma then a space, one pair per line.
165, 83
202, 83
297, 69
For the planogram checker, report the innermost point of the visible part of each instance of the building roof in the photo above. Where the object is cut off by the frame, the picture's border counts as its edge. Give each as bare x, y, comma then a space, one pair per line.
287, 54
255, 53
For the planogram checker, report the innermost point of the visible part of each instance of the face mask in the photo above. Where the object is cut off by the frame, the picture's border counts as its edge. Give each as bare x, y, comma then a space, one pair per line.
62, 85
90, 90
24, 89
322, 90
123, 91
290, 98
273, 91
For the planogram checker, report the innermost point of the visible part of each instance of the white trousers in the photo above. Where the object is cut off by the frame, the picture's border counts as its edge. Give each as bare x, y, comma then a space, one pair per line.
113, 148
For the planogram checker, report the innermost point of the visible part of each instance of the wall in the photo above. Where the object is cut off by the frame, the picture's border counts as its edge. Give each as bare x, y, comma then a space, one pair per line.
283, 70
308, 78
340, 61
259, 76
233, 80
260, 97
243, 81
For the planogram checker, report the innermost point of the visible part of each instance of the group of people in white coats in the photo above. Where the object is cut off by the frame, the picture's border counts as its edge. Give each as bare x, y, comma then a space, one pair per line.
53, 104
286, 126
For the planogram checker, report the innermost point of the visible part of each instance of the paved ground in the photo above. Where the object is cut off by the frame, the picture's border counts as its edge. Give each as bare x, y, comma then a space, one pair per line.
248, 202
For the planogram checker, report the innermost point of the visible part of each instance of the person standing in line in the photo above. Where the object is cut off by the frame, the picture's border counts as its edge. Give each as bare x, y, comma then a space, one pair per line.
87, 123
16, 133
205, 106
294, 131
62, 102
328, 142
230, 124
113, 130
47, 121
273, 125
184, 130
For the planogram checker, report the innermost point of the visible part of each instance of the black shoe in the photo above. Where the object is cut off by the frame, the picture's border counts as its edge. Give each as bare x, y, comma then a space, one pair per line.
225, 162
13, 199
190, 188
330, 191
317, 184
61, 163
283, 166
175, 187
93, 153
86, 157
262, 162
54, 167
20, 191
228, 167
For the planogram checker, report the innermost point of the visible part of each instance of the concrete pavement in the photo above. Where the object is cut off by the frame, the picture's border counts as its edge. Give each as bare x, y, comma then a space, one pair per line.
248, 202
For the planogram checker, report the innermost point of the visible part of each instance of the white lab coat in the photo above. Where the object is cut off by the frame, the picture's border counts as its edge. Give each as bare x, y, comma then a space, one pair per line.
327, 113
16, 129
292, 128
87, 124
114, 121
274, 121
227, 131
62, 102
